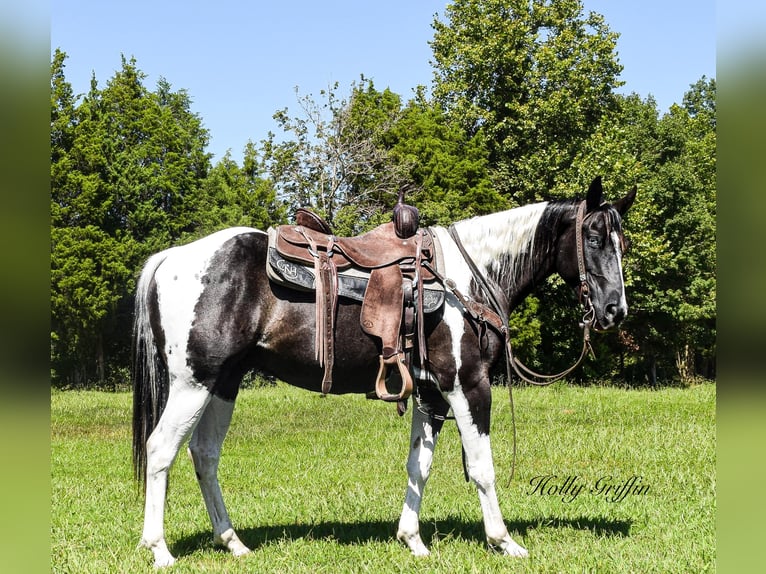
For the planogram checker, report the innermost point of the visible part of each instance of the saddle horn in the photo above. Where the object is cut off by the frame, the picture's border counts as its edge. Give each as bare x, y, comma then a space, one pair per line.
406, 217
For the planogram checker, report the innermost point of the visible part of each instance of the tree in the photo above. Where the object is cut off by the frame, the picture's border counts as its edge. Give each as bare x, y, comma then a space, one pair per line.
333, 163
350, 157
126, 164
448, 166
536, 75
673, 273
232, 195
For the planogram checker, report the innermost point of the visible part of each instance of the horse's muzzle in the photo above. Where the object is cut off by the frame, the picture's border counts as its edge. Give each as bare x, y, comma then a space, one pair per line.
613, 315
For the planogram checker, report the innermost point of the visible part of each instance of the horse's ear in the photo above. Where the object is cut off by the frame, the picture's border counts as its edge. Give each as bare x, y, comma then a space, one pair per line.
623, 205
595, 194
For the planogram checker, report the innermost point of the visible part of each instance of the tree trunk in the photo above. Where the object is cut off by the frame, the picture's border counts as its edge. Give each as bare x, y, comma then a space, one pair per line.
100, 359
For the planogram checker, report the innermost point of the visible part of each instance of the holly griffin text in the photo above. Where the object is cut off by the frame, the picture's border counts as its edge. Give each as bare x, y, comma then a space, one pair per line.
570, 487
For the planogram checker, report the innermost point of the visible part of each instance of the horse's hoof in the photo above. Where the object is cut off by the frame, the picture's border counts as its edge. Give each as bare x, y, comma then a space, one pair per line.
162, 556
241, 550
163, 560
517, 552
231, 542
510, 548
415, 544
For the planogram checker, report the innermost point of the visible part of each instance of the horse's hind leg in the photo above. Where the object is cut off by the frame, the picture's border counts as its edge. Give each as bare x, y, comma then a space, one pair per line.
425, 432
185, 406
205, 450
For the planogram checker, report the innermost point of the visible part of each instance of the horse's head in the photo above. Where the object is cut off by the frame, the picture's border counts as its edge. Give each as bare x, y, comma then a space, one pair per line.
599, 251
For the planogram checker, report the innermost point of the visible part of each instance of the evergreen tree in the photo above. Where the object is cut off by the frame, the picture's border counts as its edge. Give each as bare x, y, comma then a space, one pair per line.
231, 196
126, 164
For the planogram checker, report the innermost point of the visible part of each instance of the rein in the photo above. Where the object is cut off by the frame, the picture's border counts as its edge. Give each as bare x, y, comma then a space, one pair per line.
589, 317
494, 316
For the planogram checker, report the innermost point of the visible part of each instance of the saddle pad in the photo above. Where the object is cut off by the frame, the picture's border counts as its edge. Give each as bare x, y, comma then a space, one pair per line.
352, 283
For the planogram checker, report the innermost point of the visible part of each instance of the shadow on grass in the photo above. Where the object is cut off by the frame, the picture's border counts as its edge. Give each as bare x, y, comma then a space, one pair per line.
385, 531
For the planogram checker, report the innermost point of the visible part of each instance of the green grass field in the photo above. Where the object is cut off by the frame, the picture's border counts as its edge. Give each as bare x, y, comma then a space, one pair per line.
316, 485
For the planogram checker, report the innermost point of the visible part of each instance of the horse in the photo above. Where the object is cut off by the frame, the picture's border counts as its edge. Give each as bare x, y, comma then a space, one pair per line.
206, 314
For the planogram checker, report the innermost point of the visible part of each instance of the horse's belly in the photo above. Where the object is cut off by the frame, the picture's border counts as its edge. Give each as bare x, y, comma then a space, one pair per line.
287, 349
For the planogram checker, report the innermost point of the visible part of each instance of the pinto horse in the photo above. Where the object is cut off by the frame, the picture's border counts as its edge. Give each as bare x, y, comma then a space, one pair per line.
206, 313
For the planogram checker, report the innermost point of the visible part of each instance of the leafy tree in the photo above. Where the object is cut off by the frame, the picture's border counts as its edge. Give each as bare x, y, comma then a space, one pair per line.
673, 273
334, 163
536, 76
350, 157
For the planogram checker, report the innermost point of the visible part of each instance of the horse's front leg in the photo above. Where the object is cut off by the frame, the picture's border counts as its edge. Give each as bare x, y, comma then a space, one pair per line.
427, 421
474, 433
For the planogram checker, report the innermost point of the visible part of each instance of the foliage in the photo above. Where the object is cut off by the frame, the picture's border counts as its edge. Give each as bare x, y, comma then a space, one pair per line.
449, 167
124, 164
129, 176
672, 276
334, 163
231, 196
536, 76
350, 157
522, 109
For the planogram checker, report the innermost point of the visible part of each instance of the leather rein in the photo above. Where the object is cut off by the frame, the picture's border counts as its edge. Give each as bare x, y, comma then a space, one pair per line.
495, 316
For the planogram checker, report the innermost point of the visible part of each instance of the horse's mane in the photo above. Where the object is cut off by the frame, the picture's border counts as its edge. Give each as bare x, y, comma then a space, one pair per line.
512, 244
505, 242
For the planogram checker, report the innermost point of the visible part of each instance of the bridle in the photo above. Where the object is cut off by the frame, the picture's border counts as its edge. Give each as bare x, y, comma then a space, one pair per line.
586, 324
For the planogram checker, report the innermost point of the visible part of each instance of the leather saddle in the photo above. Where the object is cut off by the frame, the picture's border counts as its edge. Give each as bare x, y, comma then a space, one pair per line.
383, 268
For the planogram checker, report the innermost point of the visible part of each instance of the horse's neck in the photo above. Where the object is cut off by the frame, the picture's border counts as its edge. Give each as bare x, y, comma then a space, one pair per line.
506, 247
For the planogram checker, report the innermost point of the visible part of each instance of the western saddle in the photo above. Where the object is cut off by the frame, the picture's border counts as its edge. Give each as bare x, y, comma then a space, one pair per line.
388, 269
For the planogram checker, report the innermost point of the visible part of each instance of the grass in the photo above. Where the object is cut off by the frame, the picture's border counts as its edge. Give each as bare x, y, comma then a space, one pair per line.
316, 485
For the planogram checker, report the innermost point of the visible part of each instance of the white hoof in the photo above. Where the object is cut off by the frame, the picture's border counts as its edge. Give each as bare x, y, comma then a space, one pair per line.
231, 541
162, 556
239, 550
510, 548
414, 543
164, 561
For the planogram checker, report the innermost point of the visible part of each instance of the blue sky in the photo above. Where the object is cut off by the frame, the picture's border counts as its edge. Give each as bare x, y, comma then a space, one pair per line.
241, 61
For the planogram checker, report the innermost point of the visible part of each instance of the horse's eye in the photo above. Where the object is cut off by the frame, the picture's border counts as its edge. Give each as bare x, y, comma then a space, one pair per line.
594, 241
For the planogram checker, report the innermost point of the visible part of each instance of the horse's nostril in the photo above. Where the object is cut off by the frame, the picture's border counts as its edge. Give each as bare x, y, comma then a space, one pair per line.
615, 312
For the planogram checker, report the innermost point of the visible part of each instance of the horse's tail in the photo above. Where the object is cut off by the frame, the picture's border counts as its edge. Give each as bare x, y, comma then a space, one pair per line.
150, 375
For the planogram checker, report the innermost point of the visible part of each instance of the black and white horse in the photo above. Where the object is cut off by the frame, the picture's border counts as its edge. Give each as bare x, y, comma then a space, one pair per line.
206, 313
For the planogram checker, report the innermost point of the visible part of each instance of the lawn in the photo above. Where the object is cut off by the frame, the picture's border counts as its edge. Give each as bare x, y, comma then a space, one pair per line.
607, 480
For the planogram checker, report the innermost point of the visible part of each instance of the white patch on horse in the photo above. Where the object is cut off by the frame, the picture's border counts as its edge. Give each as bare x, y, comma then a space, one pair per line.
179, 286
422, 444
508, 235
481, 470
615, 237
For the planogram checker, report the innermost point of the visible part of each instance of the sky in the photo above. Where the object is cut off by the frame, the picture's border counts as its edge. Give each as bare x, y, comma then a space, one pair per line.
242, 61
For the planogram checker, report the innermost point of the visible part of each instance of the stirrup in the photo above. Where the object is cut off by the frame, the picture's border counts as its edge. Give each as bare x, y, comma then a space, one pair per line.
380, 385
